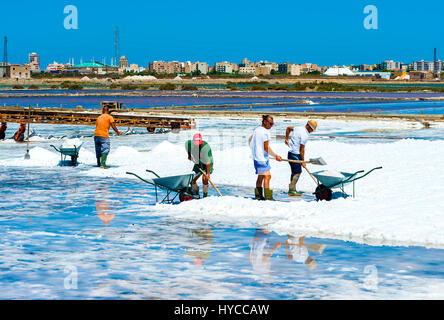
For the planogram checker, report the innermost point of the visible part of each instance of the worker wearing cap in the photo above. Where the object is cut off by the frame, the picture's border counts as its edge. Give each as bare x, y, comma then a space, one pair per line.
19, 136
297, 140
3, 130
102, 141
200, 153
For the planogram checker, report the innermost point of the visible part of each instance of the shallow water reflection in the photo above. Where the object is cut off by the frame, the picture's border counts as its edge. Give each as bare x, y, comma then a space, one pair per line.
57, 223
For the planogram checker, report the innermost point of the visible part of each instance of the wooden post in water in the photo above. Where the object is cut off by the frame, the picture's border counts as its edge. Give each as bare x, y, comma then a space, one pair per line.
251, 108
422, 111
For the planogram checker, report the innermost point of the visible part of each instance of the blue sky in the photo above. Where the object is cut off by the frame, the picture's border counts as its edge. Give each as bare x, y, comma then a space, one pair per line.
318, 31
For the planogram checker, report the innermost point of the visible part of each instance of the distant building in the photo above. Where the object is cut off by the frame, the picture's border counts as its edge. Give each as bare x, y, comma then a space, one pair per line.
309, 67
34, 62
245, 63
367, 67
392, 65
167, 67
55, 67
224, 67
262, 70
427, 66
16, 71
123, 62
201, 67
134, 67
338, 71
3, 69
377, 74
421, 75
289, 68
272, 65
247, 70
92, 67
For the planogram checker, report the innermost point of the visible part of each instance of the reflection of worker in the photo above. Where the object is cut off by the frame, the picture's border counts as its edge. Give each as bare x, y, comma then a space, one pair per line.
296, 140
261, 251
200, 249
103, 205
19, 136
200, 153
103, 209
297, 250
3, 130
101, 136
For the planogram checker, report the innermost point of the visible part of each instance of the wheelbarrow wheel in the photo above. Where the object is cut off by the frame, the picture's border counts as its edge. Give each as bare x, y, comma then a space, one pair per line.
187, 194
323, 193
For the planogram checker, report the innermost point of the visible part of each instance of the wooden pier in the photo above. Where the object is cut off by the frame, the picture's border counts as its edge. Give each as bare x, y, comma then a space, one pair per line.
122, 118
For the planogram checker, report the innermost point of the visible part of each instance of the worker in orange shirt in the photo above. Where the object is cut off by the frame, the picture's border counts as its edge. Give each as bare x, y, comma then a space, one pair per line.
101, 136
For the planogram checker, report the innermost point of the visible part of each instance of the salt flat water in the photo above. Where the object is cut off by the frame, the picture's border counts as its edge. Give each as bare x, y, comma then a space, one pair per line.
320, 102
90, 233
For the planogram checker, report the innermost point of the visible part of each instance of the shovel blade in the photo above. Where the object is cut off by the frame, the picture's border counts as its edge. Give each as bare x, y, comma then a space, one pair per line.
27, 156
318, 161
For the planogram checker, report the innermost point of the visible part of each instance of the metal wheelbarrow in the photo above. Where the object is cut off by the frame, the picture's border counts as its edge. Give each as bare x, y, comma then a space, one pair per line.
327, 182
175, 186
68, 152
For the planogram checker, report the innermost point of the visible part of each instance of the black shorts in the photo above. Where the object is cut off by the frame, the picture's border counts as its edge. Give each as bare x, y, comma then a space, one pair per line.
296, 168
203, 167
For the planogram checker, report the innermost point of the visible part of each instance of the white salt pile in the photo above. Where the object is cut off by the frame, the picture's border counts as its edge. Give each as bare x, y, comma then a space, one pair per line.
140, 78
330, 173
71, 143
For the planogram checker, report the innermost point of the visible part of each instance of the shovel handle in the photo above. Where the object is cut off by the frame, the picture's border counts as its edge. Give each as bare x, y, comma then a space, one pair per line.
215, 188
295, 161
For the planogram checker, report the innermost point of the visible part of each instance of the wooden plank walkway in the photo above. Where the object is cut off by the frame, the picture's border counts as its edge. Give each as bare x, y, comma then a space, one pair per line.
81, 117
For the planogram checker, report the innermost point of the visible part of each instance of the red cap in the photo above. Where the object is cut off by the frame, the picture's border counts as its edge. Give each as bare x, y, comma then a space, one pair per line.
197, 139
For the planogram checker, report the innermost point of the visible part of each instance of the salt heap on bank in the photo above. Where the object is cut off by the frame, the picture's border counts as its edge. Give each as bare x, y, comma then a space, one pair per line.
140, 78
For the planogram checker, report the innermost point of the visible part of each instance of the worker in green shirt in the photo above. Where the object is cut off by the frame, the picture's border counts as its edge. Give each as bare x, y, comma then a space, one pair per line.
200, 153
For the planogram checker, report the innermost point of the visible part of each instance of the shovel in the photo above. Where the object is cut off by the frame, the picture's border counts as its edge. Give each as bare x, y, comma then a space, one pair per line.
317, 161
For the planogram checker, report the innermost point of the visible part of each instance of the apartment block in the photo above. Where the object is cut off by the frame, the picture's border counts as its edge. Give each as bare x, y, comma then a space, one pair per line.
224, 67
289, 68
247, 70
167, 67
34, 62
202, 67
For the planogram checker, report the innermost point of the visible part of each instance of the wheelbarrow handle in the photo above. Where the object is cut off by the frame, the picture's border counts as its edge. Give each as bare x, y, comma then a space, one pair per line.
131, 173
58, 150
153, 173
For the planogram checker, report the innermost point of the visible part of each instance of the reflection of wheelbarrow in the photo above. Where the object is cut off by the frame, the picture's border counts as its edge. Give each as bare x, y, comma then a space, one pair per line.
173, 185
326, 182
65, 152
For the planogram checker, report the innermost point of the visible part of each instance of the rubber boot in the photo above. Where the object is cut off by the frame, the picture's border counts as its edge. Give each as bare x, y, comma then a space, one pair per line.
98, 162
268, 194
103, 161
205, 190
292, 186
258, 195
